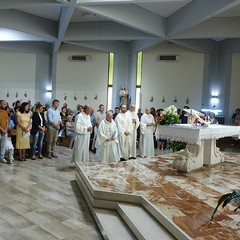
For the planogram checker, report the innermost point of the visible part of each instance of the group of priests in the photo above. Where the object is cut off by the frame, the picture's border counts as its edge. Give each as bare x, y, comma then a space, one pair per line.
115, 140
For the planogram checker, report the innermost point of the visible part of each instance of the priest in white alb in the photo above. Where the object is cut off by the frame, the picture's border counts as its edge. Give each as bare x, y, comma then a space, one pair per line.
135, 124
146, 134
107, 140
124, 126
83, 129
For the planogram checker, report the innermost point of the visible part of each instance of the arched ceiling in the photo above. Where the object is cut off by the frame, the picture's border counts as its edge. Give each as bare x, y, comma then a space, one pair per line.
106, 22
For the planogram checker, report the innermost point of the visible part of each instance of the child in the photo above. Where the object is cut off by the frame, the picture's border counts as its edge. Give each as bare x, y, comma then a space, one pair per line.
9, 149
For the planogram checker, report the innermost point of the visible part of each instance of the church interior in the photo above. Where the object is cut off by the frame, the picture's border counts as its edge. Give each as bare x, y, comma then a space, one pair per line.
154, 53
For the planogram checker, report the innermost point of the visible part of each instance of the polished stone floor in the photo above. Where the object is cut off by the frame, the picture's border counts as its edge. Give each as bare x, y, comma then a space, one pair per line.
40, 199
186, 199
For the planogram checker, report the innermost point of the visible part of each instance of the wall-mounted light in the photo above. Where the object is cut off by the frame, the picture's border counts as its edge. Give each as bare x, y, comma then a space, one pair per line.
214, 99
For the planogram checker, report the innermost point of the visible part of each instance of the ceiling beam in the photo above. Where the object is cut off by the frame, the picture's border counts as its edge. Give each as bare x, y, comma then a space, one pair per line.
102, 31
229, 46
213, 28
132, 16
201, 45
101, 2
119, 47
7, 4
64, 20
28, 23
195, 13
142, 45
10, 35
32, 47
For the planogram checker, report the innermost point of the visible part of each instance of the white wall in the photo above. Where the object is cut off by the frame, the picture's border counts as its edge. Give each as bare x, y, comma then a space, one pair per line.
180, 79
18, 72
81, 78
234, 98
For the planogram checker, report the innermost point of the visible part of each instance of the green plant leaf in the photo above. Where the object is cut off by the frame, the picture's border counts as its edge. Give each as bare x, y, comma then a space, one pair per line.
221, 199
237, 208
235, 197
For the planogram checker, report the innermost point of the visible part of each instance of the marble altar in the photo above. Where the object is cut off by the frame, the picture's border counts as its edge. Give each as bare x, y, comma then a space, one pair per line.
201, 143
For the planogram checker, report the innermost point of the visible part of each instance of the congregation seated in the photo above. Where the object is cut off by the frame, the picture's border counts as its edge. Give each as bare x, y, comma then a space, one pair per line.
212, 118
237, 120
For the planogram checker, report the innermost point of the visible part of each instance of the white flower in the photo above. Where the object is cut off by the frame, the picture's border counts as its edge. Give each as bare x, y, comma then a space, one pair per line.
170, 110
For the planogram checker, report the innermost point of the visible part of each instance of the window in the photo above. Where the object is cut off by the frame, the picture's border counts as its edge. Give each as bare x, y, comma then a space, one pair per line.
110, 80
139, 80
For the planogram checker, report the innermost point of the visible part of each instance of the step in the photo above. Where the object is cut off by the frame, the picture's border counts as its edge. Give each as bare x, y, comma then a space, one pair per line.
112, 226
142, 224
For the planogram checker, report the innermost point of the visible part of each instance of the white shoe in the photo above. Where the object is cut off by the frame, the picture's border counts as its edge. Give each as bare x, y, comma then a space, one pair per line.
3, 161
10, 162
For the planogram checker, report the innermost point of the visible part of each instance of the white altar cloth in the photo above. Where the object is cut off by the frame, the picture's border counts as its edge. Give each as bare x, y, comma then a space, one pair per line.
201, 143
195, 134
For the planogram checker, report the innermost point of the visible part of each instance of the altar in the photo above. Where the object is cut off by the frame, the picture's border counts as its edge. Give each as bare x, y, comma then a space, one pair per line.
201, 146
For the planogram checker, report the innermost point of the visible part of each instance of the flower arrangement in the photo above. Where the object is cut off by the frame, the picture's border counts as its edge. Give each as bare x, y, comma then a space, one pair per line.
168, 117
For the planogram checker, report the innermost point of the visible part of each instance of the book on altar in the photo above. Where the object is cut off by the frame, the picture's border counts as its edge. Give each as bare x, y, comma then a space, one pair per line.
195, 117
192, 111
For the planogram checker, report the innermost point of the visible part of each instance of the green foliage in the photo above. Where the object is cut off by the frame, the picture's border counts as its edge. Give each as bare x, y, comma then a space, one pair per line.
169, 119
177, 145
227, 198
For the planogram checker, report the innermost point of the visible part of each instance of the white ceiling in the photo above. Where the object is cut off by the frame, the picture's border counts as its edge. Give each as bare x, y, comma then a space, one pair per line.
82, 21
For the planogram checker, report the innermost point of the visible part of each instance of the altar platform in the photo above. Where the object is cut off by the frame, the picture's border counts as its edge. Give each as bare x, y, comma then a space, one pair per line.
148, 199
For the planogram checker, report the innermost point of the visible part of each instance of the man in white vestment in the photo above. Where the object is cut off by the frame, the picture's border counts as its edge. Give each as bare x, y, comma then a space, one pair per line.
135, 124
146, 134
107, 140
124, 126
98, 117
83, 129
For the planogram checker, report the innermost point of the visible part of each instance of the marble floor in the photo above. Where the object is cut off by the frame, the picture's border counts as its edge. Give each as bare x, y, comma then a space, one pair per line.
40, 199
186, 199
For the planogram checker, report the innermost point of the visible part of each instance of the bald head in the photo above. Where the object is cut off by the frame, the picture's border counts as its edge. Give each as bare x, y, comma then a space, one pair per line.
132, 107
109, 116
87, 109
148, 110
